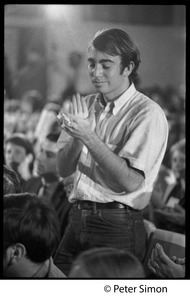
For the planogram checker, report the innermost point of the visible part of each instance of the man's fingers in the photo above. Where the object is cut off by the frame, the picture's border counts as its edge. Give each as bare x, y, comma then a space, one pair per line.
71, 110
180, 261
79, 104
84, 108
153, 255
161, 255
154, 267
151, 267
74, 102
174, 258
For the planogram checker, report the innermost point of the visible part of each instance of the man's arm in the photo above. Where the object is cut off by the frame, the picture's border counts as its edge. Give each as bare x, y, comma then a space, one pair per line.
114, 166
67, 158
79, 127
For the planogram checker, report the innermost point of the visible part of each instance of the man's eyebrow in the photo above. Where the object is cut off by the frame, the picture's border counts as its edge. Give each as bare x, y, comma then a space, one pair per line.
101, 60
49, 151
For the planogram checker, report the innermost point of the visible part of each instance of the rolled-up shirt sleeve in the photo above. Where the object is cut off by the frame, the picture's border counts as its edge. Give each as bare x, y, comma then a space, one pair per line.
146, 144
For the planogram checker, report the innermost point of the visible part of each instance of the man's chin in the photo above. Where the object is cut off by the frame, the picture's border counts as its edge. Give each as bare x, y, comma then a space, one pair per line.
100, 87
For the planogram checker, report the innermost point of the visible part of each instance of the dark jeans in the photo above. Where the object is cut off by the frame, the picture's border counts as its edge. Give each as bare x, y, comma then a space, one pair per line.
119, 228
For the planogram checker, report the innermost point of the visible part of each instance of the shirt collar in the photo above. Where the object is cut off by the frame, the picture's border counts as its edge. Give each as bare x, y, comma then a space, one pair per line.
119, 102
43, 270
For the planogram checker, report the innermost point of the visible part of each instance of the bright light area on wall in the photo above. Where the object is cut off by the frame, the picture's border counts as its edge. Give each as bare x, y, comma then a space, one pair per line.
56, 12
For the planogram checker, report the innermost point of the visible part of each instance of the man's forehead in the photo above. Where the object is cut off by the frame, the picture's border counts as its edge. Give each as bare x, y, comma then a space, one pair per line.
94, 54
15, 146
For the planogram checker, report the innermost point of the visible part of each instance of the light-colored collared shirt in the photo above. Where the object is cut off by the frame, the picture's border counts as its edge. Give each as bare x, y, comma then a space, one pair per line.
135, 128
49, 270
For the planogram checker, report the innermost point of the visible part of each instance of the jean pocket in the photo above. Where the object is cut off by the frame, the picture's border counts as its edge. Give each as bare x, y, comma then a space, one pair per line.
115, 218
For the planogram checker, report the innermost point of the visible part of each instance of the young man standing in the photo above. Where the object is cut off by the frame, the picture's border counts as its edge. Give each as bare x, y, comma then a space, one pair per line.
115, 140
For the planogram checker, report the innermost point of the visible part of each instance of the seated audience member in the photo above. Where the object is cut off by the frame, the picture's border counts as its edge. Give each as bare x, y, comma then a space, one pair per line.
19, 156
168, 179
11, 181
164, 178
48, 185
52, 128
32, 102
30, 237
169, 214
171, 218
165, 267
31, 107
106, 262
46, 120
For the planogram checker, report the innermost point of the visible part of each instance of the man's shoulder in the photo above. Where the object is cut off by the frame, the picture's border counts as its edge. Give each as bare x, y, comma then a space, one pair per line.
147, 102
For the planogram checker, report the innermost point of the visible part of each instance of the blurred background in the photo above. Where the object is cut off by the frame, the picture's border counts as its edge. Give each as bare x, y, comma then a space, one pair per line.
50, 33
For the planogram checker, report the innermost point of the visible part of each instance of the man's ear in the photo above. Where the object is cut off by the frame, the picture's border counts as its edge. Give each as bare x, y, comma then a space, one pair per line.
15, 252
128, 70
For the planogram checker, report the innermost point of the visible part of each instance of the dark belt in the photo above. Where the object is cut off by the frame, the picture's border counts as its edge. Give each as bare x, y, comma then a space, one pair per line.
86, 204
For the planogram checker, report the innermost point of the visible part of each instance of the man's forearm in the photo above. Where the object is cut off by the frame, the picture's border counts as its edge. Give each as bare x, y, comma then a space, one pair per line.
67, 158
113, 165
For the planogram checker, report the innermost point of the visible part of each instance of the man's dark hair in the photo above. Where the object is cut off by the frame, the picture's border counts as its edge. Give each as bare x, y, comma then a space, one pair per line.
107, 262
53, 136
11, 181
117, 42
21, 139
30, 221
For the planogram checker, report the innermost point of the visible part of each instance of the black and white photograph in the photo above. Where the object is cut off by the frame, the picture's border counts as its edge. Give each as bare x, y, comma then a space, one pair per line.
94, 141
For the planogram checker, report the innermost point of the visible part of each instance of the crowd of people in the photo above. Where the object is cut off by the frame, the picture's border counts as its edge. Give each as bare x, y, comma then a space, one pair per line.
77, 188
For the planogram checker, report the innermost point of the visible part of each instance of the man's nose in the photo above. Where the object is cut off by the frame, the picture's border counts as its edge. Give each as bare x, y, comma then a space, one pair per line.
40, 157
97, 71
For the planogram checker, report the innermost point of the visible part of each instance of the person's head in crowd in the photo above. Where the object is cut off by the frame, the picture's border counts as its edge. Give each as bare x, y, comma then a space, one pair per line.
33, 56
12, 106
177, 153
75, 59
157, 94
30, 234
116, 42
11, 181
173, 100
32, 102
19, 154
106, 262
46, 158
